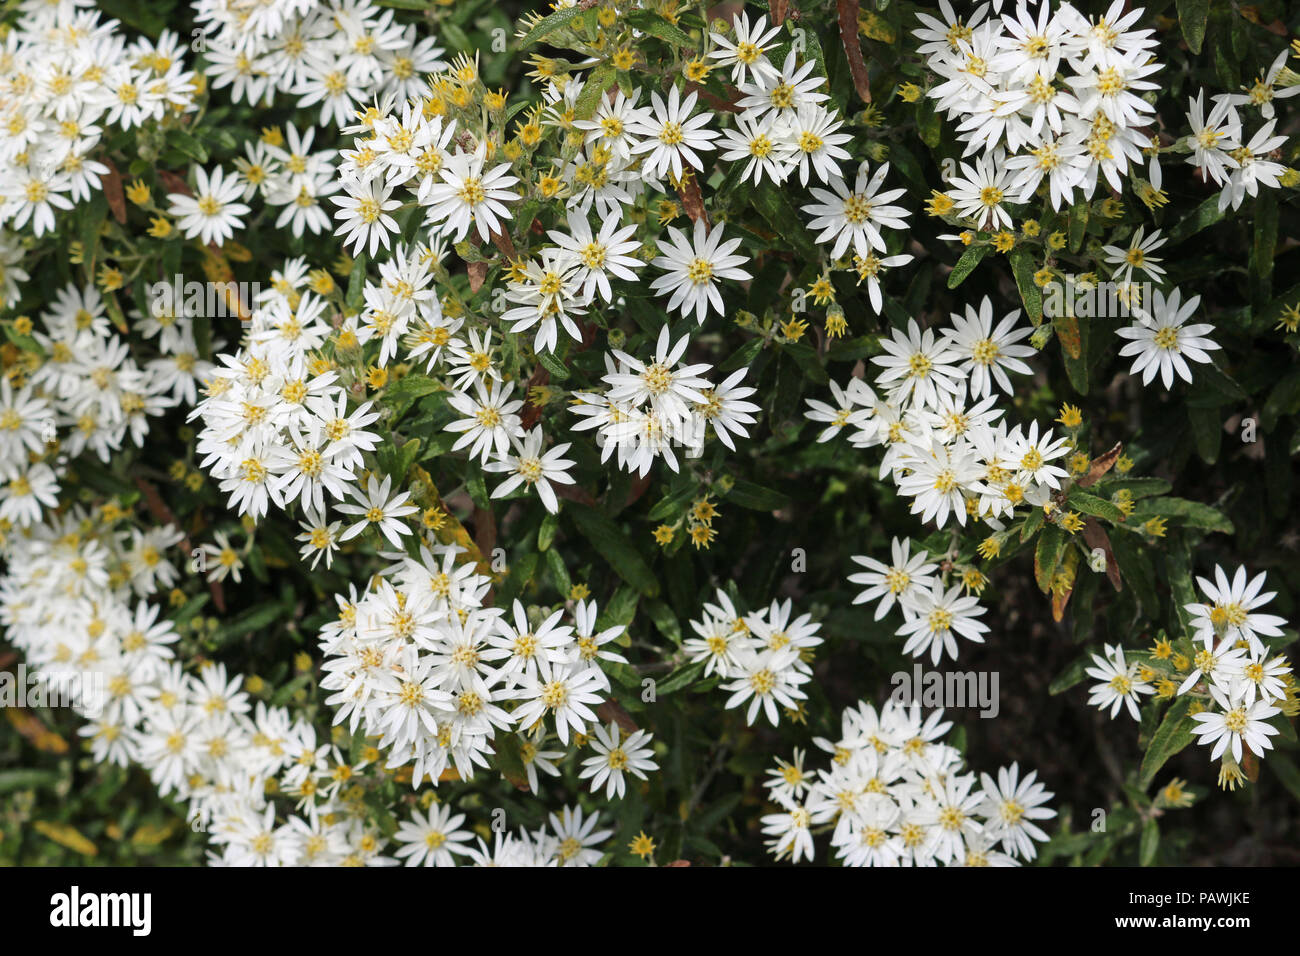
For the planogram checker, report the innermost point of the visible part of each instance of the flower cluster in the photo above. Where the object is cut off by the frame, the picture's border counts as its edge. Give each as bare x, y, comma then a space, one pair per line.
764, 655
627, 252
933, 615
1235, 681
333, 55
1218, 145
896, 795
75, 600
70, 79
655, 404
422, 663
83, 391
933, 410
1054, 98
277, 424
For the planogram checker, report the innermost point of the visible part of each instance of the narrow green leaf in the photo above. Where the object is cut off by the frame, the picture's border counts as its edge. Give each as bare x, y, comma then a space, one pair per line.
1286, 771
972, 257
1095, 506
1191, 513
1150, 842
1073, 674
1192, 15
655, 25
1051, 542
1023, 268
1172, 736
612, 544
747, 494
1206, 214
600, 80
549, 24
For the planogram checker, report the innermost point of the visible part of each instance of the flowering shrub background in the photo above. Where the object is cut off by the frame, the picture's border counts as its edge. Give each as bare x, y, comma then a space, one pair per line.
1169, 479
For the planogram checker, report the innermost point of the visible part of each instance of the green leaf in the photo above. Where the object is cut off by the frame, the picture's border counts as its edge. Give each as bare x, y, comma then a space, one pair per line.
1178, 572
509, 758
1074, 673
283, 693
548, 25
1263, 249
1135, 569
744, 355
357, 282
620, 609
1150, 842
1191, 513
1022, 266
1192, 15
1076, 368
655, 25
1047, 554
559, 371
1078, 225
1280, 764
774, 206
255, 619
600, 80
665, 620
400, 395
806, 358
1032, 523
150, 19
682, 677
1092, 505
559, 572
546, 533
188, 145
1207, 431
1137, 487
476, 485
402, 457
672, 505
1206, 214
972, 257
928, 123
1172, 736
747, 494
26, 779
612, 543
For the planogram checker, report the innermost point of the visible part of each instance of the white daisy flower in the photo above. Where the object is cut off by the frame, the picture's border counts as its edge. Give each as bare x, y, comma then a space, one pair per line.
1162, 342
1237, 723
902, 580
1120, 686
856, 216
469, 196
363, 214
491, 418
746, 55
375, 507
1234, 611
213, 213
673, 138
988, 352
532, 468
918, 365
694, 267
617, 755
937, 618
1136, 256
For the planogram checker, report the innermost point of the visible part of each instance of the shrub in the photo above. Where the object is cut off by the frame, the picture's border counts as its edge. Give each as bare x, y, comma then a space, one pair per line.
628, 433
